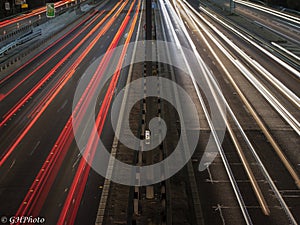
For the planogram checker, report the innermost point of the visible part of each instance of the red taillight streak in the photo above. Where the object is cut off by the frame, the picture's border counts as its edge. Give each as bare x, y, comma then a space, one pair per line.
43, 51
48, 75
82, 173
49, 58
105, 28
68, 75
48, 172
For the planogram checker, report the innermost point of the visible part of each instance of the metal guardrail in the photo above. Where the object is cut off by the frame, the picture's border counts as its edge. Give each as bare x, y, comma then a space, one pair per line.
28, 37
21, 40
4, 50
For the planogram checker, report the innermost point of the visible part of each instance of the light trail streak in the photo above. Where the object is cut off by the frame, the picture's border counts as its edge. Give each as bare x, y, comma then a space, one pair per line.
211, 124
273, 12
265, 172
286, 51
8, 115
69, 211
3, 96
63, 80
15, 108
42, 183
266, 52
244, 99
283, 112
107, 182
45, 50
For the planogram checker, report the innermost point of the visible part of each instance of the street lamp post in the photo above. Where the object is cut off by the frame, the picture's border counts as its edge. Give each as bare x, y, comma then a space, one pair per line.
232, 6
13, 7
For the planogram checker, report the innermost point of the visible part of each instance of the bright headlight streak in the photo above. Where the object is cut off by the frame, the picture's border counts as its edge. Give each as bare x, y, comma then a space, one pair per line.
169, 24
278, 60
212, 83
284, 90
271, 11
268, 96
282, 202
285, 50
211, 125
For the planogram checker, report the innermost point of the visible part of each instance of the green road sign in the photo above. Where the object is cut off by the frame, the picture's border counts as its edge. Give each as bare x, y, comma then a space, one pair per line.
50, 11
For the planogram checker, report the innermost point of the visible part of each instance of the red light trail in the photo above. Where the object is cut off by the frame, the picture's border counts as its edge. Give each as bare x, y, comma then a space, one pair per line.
42, 183
69, 211
63, 80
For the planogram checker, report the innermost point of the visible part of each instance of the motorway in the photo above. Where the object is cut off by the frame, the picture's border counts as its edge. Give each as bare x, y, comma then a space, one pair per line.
30, 99
244, 168
224, 56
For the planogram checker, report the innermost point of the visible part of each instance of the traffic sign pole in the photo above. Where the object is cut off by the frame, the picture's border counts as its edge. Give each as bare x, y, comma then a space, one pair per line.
50, 10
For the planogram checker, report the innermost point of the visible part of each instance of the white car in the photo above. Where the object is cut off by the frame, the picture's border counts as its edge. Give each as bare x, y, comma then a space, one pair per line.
147, 137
